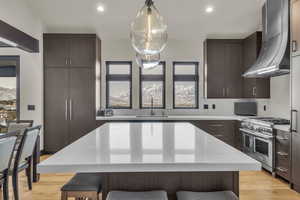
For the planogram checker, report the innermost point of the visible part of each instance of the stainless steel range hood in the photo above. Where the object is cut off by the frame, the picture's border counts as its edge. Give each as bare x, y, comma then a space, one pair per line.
274, 58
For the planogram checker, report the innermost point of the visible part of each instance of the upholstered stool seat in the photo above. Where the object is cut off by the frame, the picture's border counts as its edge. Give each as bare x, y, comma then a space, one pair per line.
223, 195
82, 185
122, 195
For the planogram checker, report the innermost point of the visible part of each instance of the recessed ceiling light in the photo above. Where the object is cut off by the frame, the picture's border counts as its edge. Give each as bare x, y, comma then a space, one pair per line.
209, 9
100, 8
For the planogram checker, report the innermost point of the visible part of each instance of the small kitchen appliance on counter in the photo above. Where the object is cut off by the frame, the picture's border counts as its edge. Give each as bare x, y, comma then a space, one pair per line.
245, 108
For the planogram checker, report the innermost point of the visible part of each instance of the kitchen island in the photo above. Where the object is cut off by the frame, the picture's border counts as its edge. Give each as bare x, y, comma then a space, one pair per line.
140, 156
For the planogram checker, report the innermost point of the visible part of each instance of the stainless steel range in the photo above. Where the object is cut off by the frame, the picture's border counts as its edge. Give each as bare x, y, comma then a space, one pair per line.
258, 139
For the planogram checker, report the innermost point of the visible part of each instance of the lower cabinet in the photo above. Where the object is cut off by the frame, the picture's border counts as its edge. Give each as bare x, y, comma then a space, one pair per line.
282, 154
224, 130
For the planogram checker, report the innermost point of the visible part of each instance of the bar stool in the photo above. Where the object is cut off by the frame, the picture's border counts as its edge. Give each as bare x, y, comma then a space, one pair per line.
222, 195
82, 186
151, 195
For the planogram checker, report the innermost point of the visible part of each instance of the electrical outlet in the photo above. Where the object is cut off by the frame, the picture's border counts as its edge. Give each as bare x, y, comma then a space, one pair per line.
206, 107
265, 108
31, 107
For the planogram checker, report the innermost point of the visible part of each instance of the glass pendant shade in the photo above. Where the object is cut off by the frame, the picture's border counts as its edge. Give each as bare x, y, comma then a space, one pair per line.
148, 31
147, 61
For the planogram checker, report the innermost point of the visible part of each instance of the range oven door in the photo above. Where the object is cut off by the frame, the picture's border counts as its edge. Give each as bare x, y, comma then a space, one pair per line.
248, 143
263, 150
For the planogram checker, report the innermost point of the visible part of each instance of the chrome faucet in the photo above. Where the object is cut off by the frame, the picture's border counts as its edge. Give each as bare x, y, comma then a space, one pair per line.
152, 113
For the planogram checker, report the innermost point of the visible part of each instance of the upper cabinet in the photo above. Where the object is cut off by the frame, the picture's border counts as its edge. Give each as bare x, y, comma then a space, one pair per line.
296, 26
63, 50
223, 72
254, 87
226, 61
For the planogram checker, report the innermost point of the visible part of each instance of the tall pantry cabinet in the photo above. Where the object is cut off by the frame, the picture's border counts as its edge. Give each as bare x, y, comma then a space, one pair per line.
69, 87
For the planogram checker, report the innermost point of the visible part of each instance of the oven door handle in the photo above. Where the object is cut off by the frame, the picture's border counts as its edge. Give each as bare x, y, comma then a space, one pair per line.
256, 134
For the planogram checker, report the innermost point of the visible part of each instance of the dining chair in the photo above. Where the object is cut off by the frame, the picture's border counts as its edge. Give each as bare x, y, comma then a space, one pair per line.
6, 153
18, 125
23, 158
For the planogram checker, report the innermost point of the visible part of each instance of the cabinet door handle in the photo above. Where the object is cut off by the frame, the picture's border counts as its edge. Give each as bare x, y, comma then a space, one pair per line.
216, 125
282, 153
66, 61
294, 121
254, 91
281, 169
70, 109
281, 138
227, 92
224, 92
294, 46
70, 61
66, 109
218, 135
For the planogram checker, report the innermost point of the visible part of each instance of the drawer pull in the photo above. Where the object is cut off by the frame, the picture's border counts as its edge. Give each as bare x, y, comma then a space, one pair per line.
216, 125
281, 138
218, 135
282, 153
281, 169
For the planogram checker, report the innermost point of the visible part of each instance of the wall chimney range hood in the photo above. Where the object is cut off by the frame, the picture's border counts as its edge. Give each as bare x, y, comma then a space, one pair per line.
274, 58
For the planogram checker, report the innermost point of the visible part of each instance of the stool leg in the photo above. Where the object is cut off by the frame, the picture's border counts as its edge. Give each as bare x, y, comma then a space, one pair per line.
64, 196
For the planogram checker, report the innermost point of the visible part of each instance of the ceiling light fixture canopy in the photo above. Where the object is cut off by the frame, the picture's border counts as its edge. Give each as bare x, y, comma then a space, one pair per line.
145, 61
148, 31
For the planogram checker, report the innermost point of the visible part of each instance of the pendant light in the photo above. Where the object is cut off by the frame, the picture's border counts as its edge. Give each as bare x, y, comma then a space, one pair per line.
148, 31
147, 61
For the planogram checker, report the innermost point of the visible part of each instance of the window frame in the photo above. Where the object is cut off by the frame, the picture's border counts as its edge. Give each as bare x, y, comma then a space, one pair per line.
153, 78
187, 78
118, 77
18, 78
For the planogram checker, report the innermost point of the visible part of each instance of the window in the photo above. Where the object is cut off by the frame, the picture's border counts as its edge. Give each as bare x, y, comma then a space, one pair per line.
185, 85
118, 85
9, 87
152, 87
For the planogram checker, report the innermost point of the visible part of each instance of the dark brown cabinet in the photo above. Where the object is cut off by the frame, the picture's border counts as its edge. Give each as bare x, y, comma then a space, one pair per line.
226, 61
55, 118
56, 51
223, 72
282, 154
254, 87
64, 50
70, 107
223, 130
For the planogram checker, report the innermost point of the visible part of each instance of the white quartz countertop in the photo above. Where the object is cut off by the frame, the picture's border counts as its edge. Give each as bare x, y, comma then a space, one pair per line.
170, 117
147, 147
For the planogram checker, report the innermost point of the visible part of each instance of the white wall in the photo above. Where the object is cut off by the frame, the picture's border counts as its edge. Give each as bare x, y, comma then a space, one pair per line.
17, 14
280, 97
121, 50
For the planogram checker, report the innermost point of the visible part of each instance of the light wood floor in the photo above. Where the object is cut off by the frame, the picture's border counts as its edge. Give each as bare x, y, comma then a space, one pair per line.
253, 186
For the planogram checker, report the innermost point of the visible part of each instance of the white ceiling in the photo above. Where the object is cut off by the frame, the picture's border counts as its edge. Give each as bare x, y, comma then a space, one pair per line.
186, 19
